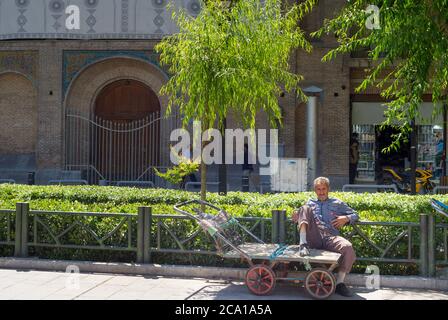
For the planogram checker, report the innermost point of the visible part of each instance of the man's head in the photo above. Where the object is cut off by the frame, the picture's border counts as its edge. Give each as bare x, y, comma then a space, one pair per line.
322, 187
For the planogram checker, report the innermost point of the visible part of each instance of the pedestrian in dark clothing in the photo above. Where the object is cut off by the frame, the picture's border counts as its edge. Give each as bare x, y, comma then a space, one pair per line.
354, 157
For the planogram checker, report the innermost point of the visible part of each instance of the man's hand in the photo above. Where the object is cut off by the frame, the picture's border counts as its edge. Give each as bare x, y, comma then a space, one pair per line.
295, 216
340, 221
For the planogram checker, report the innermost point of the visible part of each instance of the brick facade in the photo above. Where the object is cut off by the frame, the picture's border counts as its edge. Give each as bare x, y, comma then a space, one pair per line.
18, 105
42, 103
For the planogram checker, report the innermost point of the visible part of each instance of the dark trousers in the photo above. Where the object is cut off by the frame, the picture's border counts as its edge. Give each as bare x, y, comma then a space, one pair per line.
352, 173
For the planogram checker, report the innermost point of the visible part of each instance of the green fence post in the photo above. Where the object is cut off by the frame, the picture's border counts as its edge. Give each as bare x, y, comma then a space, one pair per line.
140, 235
423, 244
24, 234
431, 245
275, 231
282, 226
147, 235
18, 231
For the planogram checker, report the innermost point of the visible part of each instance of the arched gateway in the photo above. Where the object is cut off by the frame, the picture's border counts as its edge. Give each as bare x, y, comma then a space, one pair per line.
115, 128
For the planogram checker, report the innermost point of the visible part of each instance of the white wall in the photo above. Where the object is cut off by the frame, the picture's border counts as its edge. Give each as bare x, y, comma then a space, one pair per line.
373, 113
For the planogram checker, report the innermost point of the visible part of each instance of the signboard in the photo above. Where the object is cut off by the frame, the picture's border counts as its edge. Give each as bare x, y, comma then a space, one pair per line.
289, 174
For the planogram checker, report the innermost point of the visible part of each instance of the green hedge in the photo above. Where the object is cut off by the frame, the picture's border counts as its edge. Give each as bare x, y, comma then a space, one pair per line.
372, 207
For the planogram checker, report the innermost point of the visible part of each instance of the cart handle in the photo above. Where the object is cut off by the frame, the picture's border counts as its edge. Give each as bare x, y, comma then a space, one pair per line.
185, 203
440, 207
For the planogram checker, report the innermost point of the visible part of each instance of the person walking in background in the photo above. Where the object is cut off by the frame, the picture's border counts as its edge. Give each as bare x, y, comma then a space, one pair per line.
248, 168
440, 155
354, 157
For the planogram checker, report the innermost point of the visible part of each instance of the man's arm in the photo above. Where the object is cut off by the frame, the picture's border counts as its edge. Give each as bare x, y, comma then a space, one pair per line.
346, 215
351, 214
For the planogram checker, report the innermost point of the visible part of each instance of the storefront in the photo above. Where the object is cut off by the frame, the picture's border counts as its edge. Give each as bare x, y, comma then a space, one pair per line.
366, 120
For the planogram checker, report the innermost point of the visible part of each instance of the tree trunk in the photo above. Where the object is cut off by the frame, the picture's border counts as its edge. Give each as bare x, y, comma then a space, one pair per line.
203, 173
203, 184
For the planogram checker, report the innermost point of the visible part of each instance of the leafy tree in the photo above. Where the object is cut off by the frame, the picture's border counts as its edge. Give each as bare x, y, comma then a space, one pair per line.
410, 51
176, 174
233, 57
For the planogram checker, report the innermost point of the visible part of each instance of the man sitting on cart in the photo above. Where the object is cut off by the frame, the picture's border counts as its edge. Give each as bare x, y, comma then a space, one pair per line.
319, 222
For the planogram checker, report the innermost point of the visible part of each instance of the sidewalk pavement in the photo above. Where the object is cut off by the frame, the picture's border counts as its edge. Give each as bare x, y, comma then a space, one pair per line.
40, 285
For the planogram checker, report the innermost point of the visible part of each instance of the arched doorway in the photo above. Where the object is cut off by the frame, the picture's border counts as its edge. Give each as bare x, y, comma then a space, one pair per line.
126, 138
126, 101
82, 137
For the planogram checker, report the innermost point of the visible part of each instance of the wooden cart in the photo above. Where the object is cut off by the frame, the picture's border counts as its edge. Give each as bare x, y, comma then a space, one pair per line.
268, 263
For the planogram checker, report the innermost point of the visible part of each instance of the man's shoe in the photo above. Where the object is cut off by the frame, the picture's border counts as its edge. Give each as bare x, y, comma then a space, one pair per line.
342, 290
304, 250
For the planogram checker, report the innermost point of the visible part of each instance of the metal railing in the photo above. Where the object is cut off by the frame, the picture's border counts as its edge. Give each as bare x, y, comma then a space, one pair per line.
440, 188
441, 249
7, 181
373, 187
46, 230
68, 182
196, 186
145, 233
7, 236
117, 151
138, 184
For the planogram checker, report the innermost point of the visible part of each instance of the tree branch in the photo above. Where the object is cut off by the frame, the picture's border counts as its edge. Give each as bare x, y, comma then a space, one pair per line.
435, 16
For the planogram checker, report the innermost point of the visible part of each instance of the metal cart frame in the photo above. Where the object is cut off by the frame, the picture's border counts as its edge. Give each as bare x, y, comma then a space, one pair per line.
268, 263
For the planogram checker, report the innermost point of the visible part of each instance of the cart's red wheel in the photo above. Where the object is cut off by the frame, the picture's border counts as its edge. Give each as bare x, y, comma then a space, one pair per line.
320, 283
260, 280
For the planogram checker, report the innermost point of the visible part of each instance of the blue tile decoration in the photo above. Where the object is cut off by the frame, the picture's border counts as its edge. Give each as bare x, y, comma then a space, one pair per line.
74, 61
24, 62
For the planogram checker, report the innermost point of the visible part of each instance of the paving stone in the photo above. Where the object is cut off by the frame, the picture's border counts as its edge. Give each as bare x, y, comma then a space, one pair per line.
53, 286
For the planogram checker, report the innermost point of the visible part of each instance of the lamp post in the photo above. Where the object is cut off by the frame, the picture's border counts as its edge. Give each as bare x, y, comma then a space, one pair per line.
313, 93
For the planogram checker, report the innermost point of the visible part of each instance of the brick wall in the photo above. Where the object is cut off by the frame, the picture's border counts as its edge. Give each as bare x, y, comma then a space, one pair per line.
18, 115
333, 124
45, 87
333, 104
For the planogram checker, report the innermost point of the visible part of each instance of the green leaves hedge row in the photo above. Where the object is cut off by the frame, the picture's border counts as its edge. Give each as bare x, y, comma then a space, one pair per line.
371, 207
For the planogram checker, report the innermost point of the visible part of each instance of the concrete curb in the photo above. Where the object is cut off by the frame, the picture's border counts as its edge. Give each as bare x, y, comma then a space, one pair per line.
360, 280
124, 268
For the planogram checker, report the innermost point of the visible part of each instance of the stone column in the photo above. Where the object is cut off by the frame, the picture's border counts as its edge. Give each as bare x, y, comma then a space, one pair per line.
311, 132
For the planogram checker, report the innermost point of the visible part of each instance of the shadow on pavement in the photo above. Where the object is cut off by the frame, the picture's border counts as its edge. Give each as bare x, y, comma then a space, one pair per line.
239, 291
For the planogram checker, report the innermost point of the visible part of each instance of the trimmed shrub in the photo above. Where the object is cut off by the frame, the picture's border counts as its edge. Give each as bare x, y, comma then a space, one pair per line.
371, 207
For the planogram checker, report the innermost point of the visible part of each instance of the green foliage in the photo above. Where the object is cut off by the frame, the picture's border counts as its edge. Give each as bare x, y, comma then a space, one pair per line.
176, 174
371, 207
409, 53
233, 58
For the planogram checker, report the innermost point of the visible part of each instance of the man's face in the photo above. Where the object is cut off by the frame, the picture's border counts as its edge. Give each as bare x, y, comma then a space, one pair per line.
321, 191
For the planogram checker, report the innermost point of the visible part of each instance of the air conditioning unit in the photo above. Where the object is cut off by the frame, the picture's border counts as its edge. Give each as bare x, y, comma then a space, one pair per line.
289, 174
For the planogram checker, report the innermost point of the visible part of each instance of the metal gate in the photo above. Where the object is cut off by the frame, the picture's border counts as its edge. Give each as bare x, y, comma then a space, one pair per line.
114, 152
